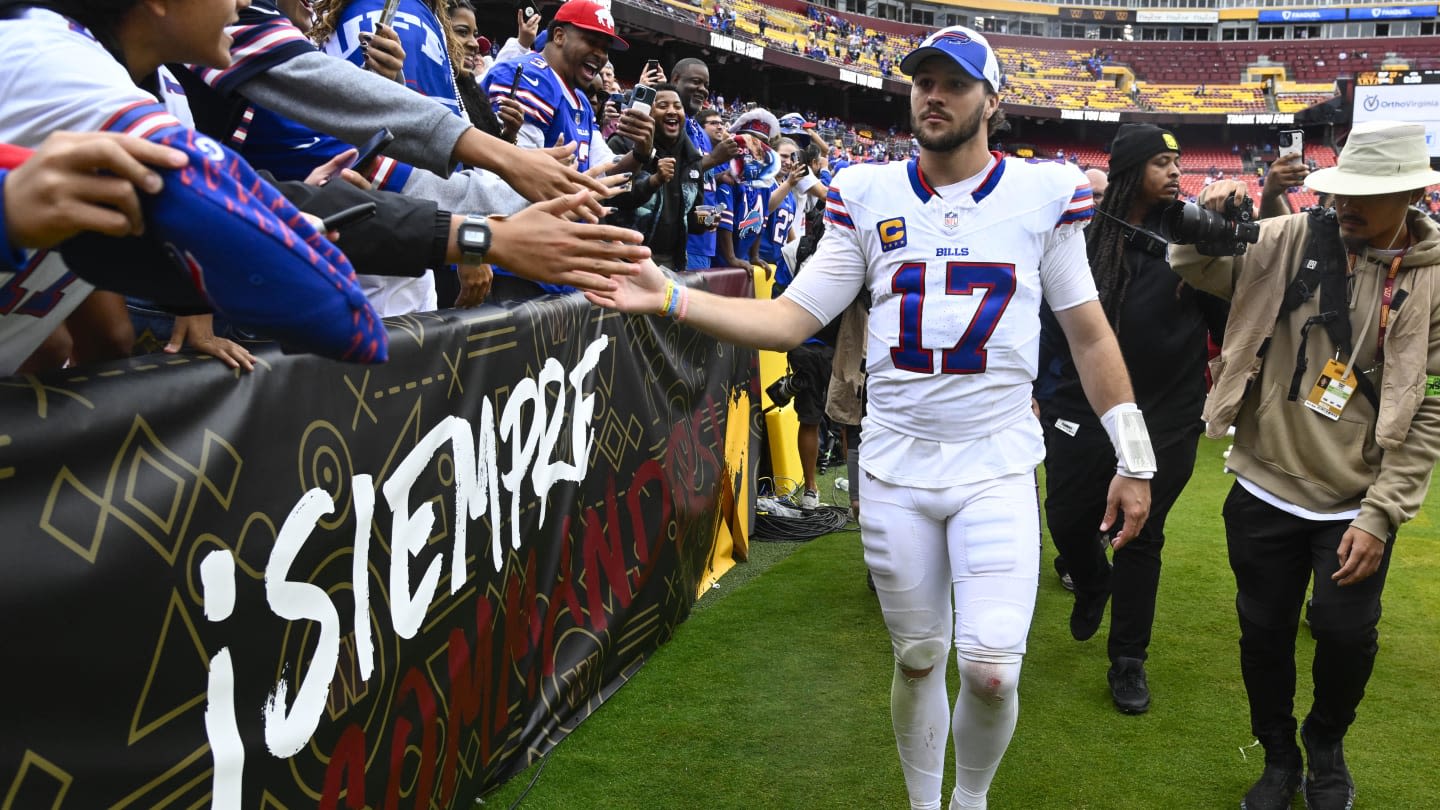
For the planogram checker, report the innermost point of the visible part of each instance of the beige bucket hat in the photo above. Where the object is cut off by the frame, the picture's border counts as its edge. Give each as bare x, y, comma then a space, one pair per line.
1381, 157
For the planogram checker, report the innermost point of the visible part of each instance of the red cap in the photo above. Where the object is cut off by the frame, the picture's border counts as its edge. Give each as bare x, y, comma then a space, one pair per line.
485, 46
591, 17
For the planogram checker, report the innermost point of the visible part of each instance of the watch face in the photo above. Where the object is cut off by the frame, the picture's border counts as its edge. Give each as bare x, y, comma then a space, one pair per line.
474, 237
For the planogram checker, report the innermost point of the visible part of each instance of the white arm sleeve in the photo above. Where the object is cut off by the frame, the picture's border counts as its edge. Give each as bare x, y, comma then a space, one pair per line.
1065, 269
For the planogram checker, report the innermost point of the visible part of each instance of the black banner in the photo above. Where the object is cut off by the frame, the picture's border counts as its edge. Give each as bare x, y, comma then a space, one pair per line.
326, 585
1096, 15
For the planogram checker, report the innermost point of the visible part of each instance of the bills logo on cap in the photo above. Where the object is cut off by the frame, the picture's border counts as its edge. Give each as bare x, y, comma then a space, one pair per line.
965, 47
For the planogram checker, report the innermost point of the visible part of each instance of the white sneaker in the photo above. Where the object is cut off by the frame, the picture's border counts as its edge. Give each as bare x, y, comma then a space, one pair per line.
810, 500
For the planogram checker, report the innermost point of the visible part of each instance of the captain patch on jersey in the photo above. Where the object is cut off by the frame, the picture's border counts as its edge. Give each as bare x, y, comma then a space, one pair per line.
892, 234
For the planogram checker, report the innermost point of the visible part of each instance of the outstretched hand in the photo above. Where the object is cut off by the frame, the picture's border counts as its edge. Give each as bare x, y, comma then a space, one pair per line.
539, 175
643, 292
1130, 497
542, 243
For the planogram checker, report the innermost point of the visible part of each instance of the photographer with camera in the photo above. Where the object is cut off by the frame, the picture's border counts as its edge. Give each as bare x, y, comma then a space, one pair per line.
1161, 325
1335, 437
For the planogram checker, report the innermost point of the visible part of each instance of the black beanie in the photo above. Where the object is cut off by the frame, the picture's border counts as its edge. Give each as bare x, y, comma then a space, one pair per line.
1136, 143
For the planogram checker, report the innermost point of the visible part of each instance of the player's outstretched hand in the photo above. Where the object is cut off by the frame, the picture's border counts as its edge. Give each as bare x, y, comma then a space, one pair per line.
642, 292
542, 244
59, 191
1130, 497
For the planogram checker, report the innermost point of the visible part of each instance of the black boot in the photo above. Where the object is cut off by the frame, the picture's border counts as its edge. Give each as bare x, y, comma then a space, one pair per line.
1128, 686
1276, 788
1328, 785
1088, 611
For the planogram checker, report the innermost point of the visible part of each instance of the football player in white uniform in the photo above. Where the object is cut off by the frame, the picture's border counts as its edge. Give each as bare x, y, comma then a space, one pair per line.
956, 249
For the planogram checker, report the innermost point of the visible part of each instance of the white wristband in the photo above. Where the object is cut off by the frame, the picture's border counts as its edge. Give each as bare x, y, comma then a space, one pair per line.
1135, 458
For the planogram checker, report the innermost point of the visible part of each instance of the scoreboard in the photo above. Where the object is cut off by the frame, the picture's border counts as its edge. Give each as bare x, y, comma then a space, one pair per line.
1400, 95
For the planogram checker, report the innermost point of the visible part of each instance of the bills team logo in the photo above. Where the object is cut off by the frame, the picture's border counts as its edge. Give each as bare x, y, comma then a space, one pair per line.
892, 233
951, 36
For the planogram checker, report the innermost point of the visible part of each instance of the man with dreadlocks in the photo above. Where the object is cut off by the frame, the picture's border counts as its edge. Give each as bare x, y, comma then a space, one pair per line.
1161, 325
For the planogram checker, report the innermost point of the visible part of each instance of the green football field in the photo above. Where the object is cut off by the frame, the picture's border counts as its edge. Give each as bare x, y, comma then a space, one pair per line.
775, 694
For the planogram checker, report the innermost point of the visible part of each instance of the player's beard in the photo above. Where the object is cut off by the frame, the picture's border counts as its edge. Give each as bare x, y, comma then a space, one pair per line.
949, 141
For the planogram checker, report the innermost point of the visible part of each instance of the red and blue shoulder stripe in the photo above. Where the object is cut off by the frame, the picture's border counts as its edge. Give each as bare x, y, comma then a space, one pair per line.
1080, 208
835, 210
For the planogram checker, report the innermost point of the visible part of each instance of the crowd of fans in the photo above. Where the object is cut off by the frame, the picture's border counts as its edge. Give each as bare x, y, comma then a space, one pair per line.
497, 166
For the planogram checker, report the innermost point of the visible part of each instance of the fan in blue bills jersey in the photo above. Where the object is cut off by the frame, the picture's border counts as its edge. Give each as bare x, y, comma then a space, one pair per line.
561, 114
428, 68
777, 232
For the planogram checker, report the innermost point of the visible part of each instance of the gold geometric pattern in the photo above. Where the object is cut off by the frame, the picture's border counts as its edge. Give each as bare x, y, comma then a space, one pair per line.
177, 658
31, 791
142, 463
77, 515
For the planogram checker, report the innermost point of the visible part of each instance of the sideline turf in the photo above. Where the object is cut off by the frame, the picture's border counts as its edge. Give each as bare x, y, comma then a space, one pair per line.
775, 695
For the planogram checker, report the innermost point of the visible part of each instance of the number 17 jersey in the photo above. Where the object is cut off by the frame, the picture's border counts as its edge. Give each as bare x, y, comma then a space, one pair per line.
956, 277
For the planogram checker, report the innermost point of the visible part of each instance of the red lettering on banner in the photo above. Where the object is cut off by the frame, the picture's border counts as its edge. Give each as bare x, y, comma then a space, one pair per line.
413, 683
470, 686
610, 556
522, 624
691, 459
564, 594
649, 471
347, 762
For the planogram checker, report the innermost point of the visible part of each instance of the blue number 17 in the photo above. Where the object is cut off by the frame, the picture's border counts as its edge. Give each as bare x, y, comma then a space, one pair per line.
995, 284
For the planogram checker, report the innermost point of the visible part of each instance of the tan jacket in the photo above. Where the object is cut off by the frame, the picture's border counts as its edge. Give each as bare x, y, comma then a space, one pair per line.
1379, 463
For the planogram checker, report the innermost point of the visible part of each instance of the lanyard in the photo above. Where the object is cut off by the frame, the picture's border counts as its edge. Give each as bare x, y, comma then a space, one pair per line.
1385, 299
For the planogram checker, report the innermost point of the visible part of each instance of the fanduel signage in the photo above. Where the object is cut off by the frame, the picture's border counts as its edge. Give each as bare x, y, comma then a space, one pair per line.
1303, 15
1393, 13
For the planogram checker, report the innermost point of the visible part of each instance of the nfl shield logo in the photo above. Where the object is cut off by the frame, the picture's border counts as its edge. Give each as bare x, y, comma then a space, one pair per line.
952, 220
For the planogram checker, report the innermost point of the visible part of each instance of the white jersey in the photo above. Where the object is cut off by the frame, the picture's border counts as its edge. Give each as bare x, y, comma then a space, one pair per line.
956, 277
57, 77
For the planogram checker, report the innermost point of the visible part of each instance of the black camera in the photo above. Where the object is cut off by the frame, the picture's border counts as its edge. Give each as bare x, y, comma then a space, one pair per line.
784, 389
1212, 234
